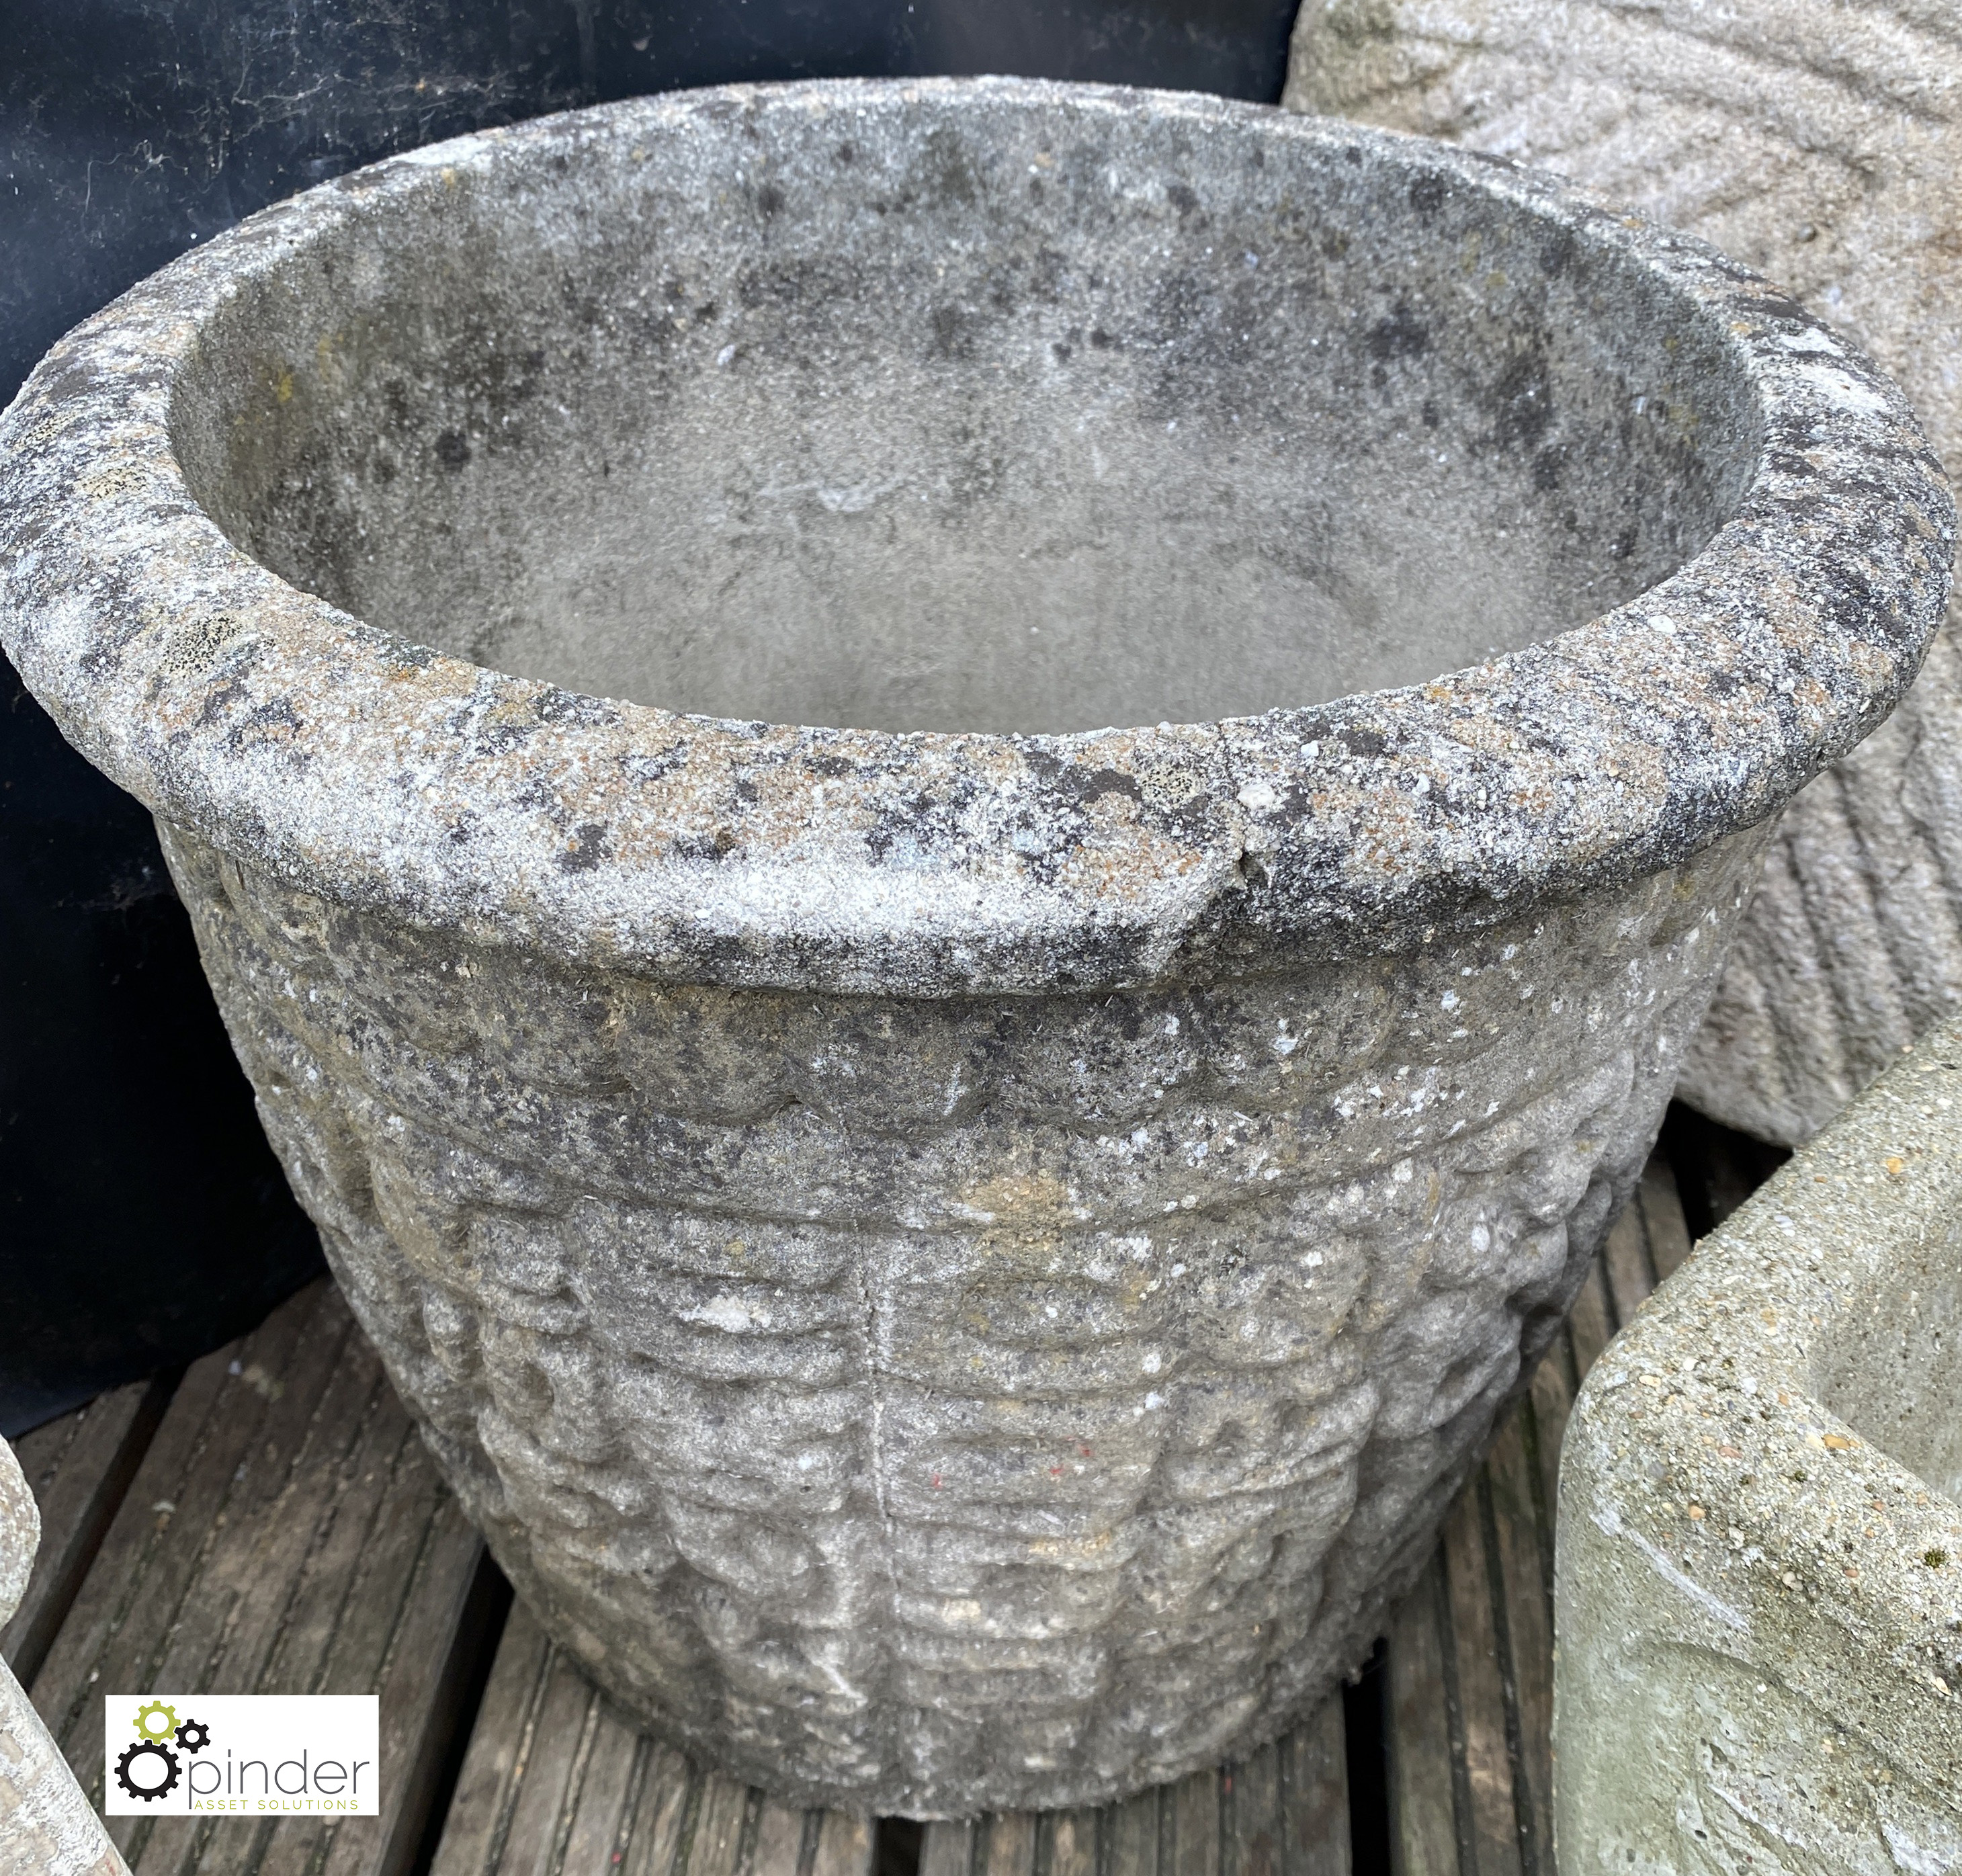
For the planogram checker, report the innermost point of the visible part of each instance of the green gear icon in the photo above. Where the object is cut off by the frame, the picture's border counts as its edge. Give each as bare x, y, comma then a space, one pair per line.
155, 1710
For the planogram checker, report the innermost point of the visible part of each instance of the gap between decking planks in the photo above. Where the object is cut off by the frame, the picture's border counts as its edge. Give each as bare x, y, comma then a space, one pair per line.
270, 1522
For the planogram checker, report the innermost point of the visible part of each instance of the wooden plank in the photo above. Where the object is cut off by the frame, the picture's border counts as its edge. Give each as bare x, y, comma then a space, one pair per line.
948, 1849
79, 1467
442, 1631
716, 1845
780, 1841
364, 1501
1519, 1560
1424, 1828
1473, 1675
1667, 1233
1072, 1848
845, 1847
561, 1736
251, 1569
1250, 1807
1133, 1830
1592, 1321
1544, 1424
212, 1438
1312, 1767
1624, 1260
666, 1804
338, 1541
597, 1834
1190, 1845
480, 1807
1006, 1844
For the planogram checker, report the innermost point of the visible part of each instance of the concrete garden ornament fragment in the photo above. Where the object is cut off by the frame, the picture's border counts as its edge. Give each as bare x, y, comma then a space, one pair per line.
1821, 145
47, 1826
958, 1256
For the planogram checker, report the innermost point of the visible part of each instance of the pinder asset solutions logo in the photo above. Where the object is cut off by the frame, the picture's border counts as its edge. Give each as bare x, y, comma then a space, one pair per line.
246, 1755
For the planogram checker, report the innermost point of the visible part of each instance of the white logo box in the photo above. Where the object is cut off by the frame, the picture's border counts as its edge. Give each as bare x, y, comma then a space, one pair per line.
241, 1755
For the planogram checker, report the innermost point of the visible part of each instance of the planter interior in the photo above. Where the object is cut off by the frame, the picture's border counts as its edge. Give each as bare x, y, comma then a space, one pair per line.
920, 429
960, 1270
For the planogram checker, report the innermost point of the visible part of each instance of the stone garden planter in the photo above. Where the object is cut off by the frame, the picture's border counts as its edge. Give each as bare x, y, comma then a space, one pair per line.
1823, 145
1760, 1546
958, 1256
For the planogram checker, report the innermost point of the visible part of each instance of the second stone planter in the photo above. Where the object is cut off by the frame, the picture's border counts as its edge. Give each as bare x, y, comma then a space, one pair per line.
957, 1257
1760, 1599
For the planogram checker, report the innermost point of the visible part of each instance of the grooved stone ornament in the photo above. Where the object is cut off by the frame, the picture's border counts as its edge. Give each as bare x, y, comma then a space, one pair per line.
959, 1256
1821, 143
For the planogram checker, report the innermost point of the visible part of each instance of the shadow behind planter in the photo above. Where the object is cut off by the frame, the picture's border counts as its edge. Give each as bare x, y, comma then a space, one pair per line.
143, 1218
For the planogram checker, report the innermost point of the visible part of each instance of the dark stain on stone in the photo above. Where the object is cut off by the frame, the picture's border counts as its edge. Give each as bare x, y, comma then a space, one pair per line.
1399, 333
697, 847
1179, 304
1427, 194
949, 175
452, 449
647, 769
275, 721
558, 706
1522, 399
1073, 782
1182, 196
1785, 310
769, 198
586, 848
952, 335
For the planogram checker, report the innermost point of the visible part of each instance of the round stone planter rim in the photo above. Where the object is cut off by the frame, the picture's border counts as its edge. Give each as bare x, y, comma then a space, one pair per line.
387, 776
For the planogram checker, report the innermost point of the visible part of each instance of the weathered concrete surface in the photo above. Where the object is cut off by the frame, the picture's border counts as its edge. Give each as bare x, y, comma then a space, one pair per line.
47, 1826
958, 1259
1759, 1595
1821, 145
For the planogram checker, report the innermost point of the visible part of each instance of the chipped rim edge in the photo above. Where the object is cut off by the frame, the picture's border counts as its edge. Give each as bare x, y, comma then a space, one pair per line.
1613, 749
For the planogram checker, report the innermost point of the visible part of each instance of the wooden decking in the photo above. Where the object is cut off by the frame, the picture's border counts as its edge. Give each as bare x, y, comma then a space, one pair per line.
268, 1522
